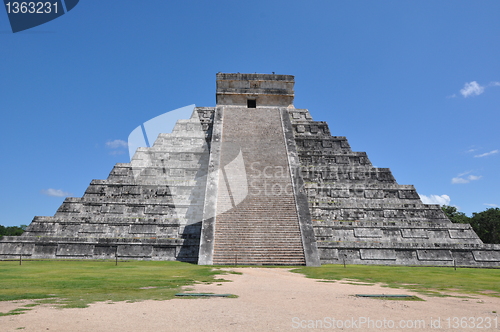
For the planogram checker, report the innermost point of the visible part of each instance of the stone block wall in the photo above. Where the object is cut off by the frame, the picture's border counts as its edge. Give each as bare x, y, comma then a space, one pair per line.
267, 90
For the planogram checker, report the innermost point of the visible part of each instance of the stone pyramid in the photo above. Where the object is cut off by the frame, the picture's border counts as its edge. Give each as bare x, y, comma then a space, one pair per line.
252, 181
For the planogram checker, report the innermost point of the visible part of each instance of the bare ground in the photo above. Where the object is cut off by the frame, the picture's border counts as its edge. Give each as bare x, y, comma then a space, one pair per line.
269, 300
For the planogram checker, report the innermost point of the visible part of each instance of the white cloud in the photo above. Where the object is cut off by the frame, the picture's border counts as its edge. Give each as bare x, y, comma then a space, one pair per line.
464, 173
436, 199
492, 205
116, 144
460, 179
472, 89
486, 154
55, 192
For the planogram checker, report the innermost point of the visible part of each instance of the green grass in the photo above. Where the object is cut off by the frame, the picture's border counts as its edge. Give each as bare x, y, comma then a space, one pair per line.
75, 284
427, 280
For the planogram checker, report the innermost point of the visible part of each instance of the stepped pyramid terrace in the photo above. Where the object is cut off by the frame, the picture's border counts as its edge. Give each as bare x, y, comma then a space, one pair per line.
252, 181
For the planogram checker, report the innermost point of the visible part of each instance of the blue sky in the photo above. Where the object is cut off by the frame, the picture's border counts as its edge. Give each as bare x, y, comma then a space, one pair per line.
415, 84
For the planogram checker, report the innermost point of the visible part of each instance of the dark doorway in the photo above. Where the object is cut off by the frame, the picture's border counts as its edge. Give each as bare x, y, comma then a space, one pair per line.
251, 103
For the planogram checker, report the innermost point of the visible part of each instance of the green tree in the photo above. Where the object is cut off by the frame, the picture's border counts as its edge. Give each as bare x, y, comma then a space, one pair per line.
486, 224
454, 215
11, 230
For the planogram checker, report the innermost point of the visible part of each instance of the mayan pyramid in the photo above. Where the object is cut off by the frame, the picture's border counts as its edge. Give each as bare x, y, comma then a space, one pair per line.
253, 181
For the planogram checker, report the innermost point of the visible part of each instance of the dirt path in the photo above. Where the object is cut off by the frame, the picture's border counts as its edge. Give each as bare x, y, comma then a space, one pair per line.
269, 300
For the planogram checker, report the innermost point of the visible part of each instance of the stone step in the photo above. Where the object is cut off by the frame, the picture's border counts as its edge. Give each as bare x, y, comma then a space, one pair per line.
267, 236
252, 230
257, 240
258, 261
259, 255
263, 250
261, 237
250, 261
257, 244
255, 224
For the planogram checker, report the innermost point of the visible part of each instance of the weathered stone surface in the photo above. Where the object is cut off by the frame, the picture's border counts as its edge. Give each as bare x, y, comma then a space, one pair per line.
486, 256
368, 232
264, 89
70, 249
434, 255
16, 248
378, 254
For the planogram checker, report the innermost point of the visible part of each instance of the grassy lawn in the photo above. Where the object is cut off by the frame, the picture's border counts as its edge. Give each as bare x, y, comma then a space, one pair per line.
427, 280
80, 282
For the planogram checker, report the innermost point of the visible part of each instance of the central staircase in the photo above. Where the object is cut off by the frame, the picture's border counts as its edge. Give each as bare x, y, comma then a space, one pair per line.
263, 229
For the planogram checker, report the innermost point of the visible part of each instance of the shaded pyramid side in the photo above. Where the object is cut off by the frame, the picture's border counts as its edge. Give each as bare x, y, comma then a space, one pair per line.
151, 206
362, 215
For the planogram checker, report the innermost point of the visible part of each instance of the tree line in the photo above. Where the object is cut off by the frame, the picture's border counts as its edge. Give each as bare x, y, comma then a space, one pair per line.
486, 224
12, 230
